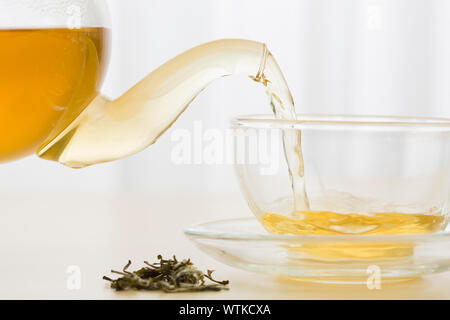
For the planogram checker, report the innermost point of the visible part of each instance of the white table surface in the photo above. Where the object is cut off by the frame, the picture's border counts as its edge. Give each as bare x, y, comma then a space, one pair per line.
42, 235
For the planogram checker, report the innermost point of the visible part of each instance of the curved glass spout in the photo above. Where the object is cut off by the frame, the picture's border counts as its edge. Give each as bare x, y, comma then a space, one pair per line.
111, 129
108, 130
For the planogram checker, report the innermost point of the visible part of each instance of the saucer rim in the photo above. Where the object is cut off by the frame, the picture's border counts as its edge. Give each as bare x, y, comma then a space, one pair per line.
205, 230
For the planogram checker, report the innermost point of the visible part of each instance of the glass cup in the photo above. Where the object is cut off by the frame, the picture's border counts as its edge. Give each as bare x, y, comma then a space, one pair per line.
363, 175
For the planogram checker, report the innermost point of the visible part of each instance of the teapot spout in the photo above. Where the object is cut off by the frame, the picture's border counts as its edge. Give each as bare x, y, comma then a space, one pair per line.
111, 129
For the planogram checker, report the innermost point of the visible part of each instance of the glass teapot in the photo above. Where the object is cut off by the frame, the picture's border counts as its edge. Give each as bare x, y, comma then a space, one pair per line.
53, 58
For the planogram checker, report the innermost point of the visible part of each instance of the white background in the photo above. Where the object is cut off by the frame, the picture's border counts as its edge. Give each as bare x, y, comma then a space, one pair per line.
349, 56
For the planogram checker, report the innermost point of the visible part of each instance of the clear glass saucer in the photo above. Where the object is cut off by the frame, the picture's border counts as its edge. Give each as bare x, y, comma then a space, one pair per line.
245, 244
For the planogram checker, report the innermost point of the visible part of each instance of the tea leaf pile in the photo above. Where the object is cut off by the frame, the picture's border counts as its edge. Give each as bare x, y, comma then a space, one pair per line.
167, 275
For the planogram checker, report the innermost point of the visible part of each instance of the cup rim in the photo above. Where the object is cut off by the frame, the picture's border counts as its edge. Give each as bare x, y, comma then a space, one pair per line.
342, 121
